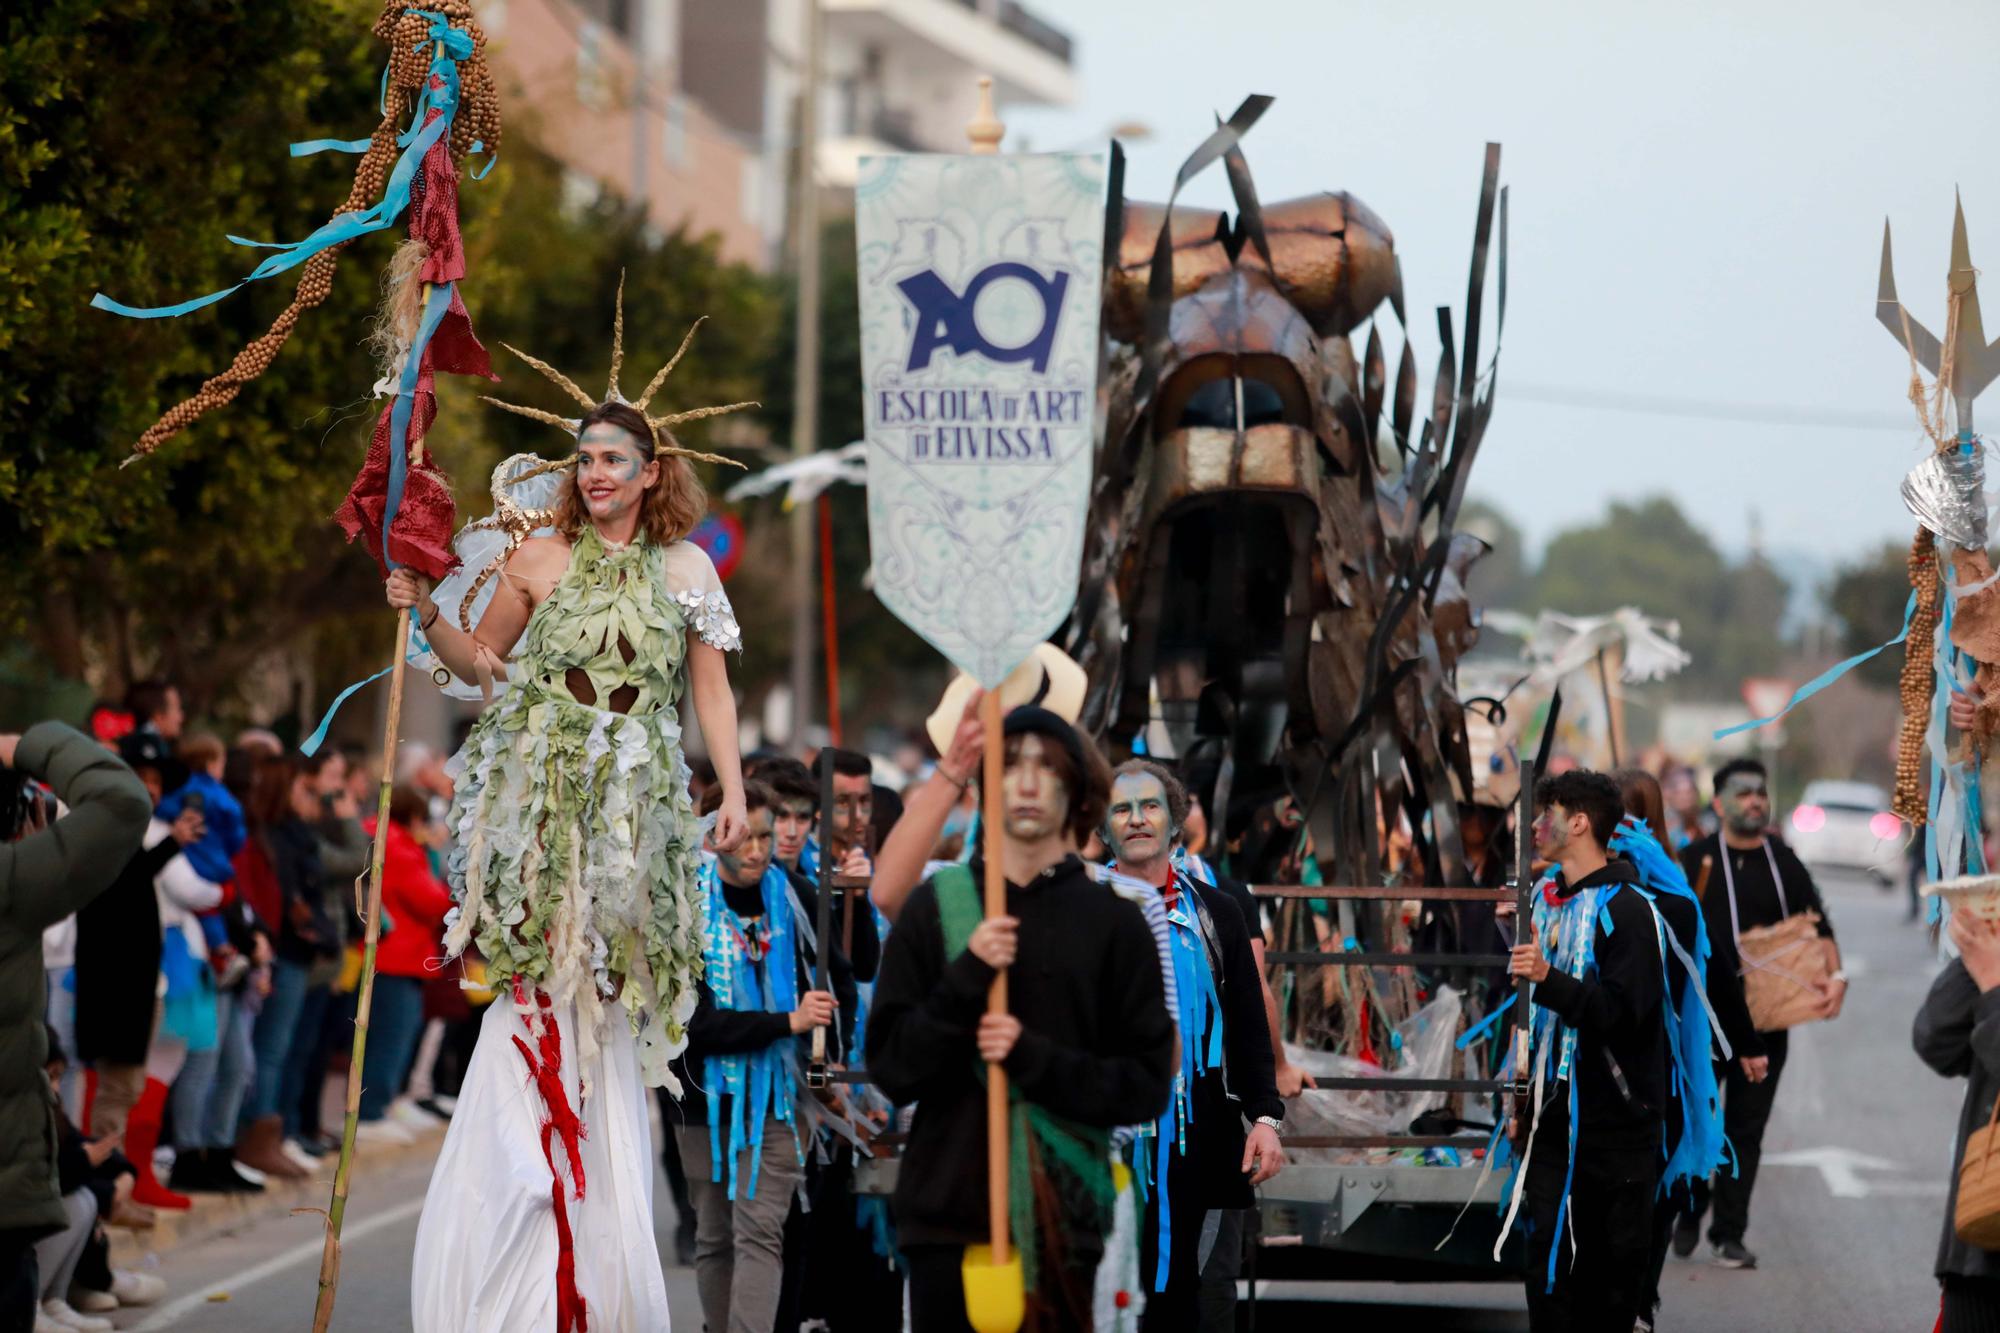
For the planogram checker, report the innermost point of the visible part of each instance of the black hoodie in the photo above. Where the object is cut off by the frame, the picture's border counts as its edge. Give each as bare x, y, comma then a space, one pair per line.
1096, 1046
1621, 1048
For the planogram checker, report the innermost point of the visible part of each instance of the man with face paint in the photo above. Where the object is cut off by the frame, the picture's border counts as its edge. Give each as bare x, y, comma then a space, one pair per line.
1593, 1149
1200, 1164
1759, 882
741, 1126
1087, 1042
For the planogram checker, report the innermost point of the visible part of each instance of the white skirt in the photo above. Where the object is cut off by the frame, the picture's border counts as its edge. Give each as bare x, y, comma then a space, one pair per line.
487, 1244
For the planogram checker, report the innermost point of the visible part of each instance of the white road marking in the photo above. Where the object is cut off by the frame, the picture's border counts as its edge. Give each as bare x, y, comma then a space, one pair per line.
1841, 1168
170, 1316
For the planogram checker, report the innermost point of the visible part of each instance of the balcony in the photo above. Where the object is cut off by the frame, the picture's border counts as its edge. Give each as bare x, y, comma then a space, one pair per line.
1030, 59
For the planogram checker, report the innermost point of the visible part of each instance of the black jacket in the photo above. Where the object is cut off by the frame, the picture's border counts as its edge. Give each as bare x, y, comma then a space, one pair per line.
1097, 1044
1957, 1033
308, 930
1757, 899
118, 962
1621, 1050
717, 1031
1247, 1086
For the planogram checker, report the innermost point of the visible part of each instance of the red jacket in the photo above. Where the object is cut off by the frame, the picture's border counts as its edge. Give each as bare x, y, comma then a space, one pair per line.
416, 901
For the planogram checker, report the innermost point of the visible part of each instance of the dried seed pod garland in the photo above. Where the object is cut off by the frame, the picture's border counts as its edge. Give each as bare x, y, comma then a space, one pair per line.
1911, 800
417, 42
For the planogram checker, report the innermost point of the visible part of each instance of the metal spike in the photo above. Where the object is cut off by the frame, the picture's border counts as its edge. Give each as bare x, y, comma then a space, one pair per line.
1406, 392
653, 386
1922, 343
556, 377
1373, 374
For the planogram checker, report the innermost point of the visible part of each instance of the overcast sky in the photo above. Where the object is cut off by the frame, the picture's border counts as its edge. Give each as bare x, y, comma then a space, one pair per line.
1698, 191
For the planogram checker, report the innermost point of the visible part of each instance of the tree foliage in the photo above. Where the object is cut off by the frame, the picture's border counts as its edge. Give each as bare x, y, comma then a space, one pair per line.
1868, 597
133, 137
1649, 555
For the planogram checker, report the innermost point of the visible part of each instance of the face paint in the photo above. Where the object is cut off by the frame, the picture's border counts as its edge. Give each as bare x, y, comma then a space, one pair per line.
1746, 804
853, 808
610, 474
1551, 833
746, 865
1036, 800
790, 829
1139, 824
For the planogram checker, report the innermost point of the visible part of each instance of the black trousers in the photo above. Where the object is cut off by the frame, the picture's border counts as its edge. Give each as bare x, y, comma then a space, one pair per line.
1746, 1110
832, 1273
1178, 1308
1600, 1286
1970, 1305
1666, 1212
20, 1281
937, 1288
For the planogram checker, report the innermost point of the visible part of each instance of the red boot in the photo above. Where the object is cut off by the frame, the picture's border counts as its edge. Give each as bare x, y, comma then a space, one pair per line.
142, 1135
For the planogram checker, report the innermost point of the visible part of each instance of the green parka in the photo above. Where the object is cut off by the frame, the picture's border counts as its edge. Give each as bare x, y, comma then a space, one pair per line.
43, 878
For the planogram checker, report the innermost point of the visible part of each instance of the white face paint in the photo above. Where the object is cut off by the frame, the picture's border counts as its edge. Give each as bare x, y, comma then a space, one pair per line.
1139, 824
612, 473
1036, 798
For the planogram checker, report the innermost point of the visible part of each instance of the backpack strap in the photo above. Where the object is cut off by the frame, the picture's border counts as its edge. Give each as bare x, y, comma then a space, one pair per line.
959, 908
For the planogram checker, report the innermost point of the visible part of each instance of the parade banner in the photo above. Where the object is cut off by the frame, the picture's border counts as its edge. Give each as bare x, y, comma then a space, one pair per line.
980, 283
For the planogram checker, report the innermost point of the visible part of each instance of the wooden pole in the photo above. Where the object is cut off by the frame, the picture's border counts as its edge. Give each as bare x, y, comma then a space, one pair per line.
992, 816
985, 131
830, 608
329, 1262
805, 366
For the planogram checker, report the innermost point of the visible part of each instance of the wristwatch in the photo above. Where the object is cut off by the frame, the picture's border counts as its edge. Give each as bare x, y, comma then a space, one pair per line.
1272, 1121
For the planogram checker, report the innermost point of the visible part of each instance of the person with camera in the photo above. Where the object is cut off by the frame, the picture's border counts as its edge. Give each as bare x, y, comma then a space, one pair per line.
48, 869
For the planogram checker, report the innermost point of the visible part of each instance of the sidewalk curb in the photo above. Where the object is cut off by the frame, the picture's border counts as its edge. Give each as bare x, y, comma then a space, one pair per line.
215, 1215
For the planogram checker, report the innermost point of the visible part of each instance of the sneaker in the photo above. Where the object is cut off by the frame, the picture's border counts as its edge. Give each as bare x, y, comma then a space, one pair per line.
298, 1156
247, 1172
60, 1312
137, 1288
1731, 1254
1687, 1234
412, 1116
384, 1131
92, 1302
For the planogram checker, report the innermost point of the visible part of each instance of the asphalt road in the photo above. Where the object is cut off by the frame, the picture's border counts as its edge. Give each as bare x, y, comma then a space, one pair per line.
1845, 1220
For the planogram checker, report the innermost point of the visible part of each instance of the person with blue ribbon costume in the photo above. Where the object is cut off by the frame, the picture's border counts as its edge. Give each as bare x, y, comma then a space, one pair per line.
739, 1111
1590, 1165
1198, 1162
1694, 1145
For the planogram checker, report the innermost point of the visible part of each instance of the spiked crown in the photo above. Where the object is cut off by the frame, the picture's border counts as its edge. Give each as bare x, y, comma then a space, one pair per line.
663, 441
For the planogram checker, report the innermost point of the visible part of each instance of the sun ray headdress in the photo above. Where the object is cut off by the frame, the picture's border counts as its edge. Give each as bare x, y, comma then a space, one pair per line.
520, 514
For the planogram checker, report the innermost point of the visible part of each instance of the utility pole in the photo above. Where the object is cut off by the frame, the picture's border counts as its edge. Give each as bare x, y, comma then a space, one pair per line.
805, 368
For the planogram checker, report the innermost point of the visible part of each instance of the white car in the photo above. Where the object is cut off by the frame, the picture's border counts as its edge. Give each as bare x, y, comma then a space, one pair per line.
1848, 826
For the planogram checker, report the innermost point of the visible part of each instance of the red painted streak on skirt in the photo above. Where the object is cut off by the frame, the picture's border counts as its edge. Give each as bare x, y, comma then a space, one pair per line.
560, 1121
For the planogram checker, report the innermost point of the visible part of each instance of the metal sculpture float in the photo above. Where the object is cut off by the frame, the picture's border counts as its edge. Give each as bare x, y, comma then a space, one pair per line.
1273, 568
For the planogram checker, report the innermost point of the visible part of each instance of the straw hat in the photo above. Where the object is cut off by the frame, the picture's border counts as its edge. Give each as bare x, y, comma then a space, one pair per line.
1977, 894
1048, 678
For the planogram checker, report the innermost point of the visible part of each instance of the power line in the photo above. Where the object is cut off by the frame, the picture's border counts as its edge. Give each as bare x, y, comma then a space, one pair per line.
1755, 414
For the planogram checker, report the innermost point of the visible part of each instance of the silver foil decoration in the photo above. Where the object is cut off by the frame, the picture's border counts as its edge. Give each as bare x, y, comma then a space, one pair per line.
1946, 493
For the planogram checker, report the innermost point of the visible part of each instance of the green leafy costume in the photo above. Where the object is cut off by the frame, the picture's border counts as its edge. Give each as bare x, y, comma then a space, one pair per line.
577, 844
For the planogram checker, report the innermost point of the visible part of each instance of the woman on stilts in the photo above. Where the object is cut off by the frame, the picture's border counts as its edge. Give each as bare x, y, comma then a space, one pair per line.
574, 867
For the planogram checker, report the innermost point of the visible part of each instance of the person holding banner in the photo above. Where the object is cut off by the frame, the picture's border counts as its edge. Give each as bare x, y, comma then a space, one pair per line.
1087, 1043
575, 874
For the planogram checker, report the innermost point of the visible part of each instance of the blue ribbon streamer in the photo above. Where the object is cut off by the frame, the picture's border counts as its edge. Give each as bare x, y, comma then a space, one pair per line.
344, 227
312, 743
1826, 678
307, 147
435, 306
